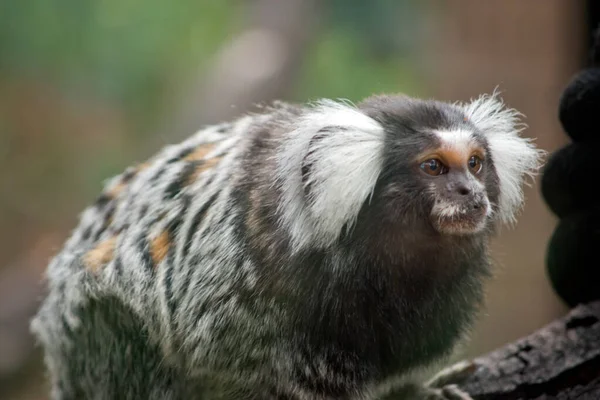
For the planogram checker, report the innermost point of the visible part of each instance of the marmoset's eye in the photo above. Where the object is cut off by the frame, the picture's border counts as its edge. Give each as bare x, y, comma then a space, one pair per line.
433, 167
475, 164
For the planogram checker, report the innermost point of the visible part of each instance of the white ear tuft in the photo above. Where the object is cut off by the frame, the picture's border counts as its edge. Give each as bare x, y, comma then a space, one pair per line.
515, 158
327, 167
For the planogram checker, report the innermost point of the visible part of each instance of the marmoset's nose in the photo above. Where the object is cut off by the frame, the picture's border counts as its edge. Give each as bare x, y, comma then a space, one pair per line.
463, 190
459, 189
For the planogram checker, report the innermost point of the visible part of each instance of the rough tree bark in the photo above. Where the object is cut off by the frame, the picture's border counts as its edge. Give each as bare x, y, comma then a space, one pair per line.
560, 361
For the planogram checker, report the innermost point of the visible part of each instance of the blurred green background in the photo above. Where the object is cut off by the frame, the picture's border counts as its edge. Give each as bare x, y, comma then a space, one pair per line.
84, 85
88, 87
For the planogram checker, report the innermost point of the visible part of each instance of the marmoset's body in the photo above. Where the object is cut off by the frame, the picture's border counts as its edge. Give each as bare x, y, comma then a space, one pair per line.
318, 252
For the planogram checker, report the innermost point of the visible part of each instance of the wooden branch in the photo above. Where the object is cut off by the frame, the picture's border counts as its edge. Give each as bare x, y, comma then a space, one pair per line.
560, 361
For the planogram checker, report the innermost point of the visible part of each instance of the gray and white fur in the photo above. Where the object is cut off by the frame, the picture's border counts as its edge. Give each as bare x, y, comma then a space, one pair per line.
299, 253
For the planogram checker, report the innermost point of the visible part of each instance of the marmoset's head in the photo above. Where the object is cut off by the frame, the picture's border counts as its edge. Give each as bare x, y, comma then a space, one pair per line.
456, 168
438, 165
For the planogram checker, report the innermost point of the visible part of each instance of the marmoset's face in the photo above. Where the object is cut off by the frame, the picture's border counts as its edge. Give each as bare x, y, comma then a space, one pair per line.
438, 167
454, 170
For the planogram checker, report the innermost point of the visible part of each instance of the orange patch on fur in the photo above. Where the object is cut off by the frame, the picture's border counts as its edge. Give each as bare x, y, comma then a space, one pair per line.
116, 190
208, 164
453, 157
200, 152
159, 247
253, 220
100, 255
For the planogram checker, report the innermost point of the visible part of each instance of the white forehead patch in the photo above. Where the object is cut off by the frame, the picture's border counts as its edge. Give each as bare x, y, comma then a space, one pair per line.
459, 140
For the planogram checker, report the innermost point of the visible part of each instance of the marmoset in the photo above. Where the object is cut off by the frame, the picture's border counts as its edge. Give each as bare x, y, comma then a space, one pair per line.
317, 251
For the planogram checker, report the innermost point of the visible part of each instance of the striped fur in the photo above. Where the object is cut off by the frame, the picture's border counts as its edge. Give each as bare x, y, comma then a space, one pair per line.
225, 268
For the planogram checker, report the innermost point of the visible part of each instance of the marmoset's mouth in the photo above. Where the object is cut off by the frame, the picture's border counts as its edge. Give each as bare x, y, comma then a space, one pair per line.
460, 220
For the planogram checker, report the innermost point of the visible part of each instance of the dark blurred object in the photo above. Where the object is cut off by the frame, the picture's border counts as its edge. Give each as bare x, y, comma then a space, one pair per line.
592, 14
578, 107
578, 111
573, 263
568, 186
568, 179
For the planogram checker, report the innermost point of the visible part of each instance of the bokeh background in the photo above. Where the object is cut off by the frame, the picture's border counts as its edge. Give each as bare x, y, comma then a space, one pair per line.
88, 87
